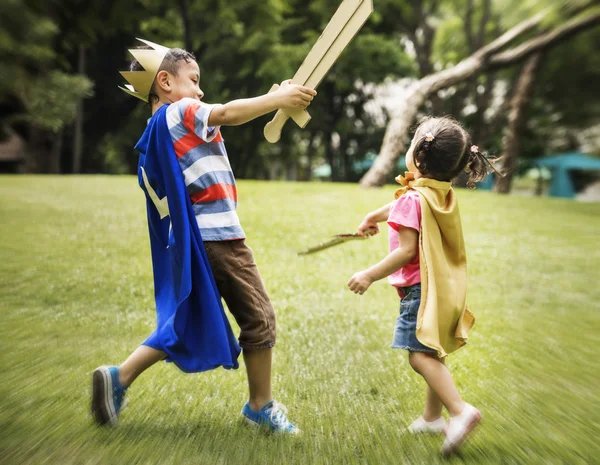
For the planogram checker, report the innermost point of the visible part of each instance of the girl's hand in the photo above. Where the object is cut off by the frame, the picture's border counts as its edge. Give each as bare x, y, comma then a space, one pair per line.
360, 282
368, 227
293, 96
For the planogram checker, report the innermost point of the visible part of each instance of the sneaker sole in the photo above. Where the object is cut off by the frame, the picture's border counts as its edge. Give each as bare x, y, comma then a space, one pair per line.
253, 424
427, 432
103, 408
451, 448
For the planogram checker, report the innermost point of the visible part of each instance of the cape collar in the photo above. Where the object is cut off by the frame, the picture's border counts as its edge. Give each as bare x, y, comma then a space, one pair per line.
408, 182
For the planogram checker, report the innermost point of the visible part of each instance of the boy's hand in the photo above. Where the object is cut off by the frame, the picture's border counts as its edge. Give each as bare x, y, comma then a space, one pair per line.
293, 96
360, 282
368, 227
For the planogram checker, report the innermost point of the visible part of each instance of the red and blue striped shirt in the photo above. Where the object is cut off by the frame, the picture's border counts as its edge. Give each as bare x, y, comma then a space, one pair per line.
201, 153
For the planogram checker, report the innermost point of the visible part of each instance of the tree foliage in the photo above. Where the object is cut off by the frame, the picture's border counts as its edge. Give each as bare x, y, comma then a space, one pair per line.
243, 47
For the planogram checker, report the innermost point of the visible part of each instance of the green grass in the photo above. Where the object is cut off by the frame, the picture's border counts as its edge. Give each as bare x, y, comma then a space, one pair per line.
76, 292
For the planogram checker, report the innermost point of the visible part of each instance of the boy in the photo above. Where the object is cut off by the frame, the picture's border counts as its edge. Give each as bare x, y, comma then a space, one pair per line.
198, 248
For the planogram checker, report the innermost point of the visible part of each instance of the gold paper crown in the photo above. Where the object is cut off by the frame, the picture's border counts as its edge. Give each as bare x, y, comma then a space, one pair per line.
140, 82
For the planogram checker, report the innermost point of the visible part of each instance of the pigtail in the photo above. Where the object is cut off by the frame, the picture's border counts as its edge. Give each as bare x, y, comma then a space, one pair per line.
478, 166
422, 154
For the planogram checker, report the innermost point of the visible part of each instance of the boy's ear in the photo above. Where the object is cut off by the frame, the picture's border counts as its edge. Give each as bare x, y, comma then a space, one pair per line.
163, 81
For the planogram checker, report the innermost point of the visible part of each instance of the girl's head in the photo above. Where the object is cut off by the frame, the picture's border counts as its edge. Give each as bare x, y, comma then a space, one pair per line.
441, 148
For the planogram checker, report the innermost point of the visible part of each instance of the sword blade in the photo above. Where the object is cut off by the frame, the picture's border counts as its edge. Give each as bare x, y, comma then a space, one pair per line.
350, 29
325, 41
341, 29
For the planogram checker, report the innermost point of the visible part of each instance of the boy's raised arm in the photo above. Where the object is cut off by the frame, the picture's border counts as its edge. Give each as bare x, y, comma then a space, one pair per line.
288, 96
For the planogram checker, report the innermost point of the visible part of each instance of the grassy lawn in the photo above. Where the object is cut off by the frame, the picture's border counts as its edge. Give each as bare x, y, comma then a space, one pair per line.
76, 292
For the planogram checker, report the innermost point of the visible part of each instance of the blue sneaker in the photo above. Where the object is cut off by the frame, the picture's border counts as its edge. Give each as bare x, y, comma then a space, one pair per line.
272, 415
107, 395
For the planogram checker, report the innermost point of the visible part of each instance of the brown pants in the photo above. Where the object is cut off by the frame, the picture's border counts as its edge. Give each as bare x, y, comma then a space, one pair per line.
241, 286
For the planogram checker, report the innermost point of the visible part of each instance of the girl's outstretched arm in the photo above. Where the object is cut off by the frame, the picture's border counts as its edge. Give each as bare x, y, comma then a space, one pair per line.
402, 256
371, 219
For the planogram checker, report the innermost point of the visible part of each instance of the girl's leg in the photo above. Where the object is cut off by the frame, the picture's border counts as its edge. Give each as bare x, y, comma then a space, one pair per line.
142, 358
439, 380
464, 417
433, 406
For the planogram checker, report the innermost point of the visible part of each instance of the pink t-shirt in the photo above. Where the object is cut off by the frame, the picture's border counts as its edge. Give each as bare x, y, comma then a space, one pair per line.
405, 212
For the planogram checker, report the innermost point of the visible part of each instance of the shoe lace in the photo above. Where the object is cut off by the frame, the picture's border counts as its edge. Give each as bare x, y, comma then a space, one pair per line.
278, 415
119, 396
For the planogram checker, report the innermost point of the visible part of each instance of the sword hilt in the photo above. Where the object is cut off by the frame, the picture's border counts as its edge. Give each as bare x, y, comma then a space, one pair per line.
273, 128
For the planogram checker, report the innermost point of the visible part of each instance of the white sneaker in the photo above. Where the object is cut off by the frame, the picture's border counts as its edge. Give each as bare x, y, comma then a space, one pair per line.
459, 428
421, 426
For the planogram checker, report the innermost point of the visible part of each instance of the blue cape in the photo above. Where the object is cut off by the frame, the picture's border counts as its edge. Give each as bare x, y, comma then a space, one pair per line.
191, 324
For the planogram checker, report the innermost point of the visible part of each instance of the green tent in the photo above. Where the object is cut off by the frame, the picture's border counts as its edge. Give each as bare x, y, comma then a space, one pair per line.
561, 167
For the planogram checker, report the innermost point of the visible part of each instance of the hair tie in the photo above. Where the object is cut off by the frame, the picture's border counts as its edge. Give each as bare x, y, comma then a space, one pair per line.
475, 151
429, 137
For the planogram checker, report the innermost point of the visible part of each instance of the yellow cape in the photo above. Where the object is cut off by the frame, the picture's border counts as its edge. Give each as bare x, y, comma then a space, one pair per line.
444, 319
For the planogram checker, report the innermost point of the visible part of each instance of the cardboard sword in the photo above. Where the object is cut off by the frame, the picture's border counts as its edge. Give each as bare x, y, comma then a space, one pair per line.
343, 26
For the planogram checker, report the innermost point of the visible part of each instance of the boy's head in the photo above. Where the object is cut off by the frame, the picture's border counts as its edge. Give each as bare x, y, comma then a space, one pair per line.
441, 148
161, 74
177, 77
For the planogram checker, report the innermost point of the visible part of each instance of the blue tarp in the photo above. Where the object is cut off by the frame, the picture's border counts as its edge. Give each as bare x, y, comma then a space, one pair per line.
560, 165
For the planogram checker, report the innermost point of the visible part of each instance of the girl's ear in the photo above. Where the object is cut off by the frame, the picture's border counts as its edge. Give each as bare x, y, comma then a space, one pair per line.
162, 81
414, 158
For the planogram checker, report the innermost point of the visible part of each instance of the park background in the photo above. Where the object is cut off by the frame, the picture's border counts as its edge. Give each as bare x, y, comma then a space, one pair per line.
75, 273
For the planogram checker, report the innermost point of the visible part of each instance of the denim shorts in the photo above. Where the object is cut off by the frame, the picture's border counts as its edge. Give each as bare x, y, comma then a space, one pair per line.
405, 333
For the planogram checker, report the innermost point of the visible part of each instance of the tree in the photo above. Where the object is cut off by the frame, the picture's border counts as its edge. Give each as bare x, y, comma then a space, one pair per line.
340, 130
43, 95
516, 118
487, 58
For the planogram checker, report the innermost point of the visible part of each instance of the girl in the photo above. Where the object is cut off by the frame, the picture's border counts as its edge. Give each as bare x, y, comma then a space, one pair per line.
427, 265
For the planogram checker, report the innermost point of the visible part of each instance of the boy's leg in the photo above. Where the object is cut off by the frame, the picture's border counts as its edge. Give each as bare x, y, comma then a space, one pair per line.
141, 359
110, 383
241, 286
258, 369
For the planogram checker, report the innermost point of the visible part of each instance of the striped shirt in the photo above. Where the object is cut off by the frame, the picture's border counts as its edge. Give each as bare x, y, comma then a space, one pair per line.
201, 153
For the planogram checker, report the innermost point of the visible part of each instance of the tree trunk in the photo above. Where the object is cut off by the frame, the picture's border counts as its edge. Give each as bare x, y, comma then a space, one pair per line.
475, 38
33, 154
516, 119
346, 164
78, 126
185, 19
423, 48
394, 142
291, 170
254, 135
329, 155
310, 155
482, 101
544, 41
54, 156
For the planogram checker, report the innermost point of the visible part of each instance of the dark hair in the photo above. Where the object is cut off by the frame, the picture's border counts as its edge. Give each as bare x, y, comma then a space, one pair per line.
443, 148
170, 63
